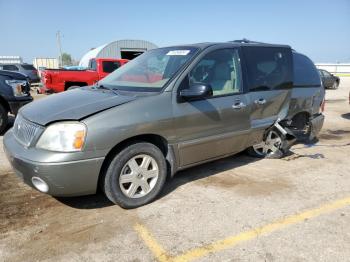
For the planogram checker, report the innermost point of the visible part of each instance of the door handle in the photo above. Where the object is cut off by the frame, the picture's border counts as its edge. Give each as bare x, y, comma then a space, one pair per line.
238, 105
261, 101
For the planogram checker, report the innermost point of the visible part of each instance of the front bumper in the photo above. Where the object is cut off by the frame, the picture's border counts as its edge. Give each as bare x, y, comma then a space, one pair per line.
66, 178
15, 105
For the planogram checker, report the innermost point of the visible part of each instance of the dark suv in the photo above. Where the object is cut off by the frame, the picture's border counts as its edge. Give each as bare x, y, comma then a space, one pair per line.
26, 69
14, 93
168, 109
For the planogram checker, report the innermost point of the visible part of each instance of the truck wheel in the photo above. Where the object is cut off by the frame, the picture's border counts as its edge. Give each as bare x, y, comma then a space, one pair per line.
3, 118
72, 87
135, 176
270, 146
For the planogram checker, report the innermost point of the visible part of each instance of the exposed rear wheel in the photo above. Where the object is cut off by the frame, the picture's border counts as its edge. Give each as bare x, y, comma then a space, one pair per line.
269, 146
135, 176
3, 118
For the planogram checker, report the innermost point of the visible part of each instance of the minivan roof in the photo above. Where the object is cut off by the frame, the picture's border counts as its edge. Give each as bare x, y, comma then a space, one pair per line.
235, 43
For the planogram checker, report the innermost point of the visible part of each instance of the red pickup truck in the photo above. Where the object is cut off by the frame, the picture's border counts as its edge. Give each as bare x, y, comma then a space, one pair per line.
58, 80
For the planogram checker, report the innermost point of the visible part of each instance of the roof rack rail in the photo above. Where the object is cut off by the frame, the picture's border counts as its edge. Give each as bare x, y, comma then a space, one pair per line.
246, 41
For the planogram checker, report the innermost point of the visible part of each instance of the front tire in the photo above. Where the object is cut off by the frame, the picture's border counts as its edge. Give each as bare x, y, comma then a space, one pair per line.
3, 118
135, 176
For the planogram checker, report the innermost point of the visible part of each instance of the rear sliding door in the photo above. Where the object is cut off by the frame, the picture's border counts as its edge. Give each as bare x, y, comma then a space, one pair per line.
269, 78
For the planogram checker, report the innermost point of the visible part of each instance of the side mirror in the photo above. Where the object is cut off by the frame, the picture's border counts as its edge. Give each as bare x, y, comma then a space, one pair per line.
197, 91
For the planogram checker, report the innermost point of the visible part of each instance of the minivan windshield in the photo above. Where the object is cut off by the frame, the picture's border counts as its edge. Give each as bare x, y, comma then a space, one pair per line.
150, 71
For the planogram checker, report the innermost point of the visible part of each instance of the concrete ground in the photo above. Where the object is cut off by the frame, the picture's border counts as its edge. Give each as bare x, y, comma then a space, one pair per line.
235, 209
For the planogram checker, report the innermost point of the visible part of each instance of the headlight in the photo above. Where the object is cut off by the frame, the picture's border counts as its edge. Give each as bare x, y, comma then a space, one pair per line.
63, 137
17, 87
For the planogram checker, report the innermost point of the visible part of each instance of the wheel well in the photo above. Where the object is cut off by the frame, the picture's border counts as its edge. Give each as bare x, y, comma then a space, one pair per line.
4, 103
300, 119
69, 84
156, 140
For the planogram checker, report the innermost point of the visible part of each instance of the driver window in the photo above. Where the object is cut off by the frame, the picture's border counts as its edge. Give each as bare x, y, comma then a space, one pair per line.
220, 69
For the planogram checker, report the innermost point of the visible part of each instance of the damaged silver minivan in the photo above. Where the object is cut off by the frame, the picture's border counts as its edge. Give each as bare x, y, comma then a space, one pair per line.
169, 109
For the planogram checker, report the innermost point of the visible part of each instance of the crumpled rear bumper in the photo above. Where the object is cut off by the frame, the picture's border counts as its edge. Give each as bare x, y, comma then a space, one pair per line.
316, 123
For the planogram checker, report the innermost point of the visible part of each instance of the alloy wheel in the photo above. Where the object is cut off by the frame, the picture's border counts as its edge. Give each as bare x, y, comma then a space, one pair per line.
270, 145
139, 176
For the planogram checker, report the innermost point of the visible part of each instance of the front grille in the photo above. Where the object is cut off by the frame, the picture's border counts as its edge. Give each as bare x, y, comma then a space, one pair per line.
25, 131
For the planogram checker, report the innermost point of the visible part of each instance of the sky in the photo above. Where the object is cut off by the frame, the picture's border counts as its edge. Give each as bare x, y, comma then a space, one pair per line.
318, 28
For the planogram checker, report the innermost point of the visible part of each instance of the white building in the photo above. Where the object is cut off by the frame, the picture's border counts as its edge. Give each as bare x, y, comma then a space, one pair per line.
10, 59
51, 63
126, 49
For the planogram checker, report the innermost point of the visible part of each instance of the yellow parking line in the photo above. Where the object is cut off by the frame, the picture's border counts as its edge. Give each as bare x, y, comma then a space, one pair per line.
254, 233
157, 250
232, 241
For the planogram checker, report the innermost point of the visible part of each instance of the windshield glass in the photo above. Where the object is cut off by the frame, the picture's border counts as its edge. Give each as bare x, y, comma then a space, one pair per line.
150, 71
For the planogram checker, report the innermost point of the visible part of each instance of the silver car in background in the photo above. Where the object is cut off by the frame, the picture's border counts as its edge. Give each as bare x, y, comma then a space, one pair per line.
26, 69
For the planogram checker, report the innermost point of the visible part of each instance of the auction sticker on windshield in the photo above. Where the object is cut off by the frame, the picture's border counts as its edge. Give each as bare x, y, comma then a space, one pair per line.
178, 52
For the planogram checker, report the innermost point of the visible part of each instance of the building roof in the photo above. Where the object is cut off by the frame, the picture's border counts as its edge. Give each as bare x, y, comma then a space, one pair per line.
112, 49
90, 54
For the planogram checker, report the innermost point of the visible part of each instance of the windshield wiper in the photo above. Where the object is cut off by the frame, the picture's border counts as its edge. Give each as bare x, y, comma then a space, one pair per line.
99, 86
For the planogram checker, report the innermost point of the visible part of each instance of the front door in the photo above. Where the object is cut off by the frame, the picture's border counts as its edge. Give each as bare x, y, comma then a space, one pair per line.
218, 125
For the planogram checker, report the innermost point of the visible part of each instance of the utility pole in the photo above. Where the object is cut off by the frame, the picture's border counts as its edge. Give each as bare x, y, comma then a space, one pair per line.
58, 36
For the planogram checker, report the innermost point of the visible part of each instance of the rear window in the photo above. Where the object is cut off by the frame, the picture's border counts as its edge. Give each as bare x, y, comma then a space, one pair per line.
305, 72
10, 67
110, 66
268, 68
28, 67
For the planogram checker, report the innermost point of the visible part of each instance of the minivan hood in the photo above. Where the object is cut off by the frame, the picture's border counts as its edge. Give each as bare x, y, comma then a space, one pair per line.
72, 105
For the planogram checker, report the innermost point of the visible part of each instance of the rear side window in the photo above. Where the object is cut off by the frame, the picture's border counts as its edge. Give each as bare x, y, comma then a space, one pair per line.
110, 66
28, 67
305, 72
10, 67
93, 65
268, 68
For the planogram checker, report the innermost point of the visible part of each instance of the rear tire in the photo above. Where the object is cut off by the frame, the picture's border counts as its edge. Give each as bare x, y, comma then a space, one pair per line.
3, 118
135, 176
72, 87
269, 146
